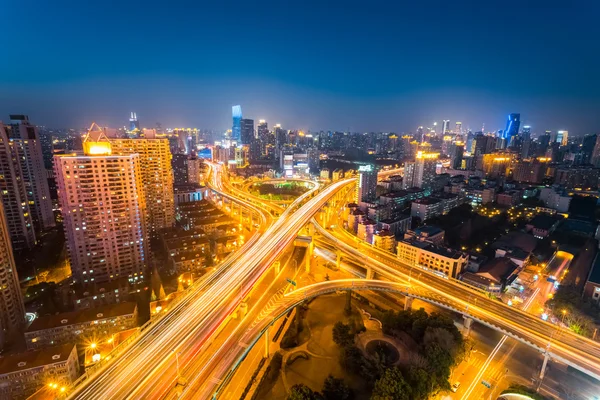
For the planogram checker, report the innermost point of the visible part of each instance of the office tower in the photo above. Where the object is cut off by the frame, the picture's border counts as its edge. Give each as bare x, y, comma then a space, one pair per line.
179, 164
24, 183
12, 310
526, 133
156, 174
456, 154
445, 126
458, 129
562, 137
247, 131
587, 148
484, 144
595, 160
236, 129
103, 204
512, 127
134, 125
367, 183
281, 138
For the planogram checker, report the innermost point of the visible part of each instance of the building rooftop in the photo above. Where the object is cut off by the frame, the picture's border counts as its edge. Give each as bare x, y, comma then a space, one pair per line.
427, 201
368, 222
440, 250
34, 359
357, 212
516, 239
428, 230
178, 233
543, 221
497, 269
82, 316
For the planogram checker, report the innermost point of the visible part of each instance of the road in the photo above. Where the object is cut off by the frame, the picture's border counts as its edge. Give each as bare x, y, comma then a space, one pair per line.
572, 348
147, 369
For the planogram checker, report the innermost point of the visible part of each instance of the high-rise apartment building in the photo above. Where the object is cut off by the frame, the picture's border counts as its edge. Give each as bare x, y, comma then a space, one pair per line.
156, 175
236, 129
367, 183
421, 173
247, 131
23, 182
12, 310
103, 205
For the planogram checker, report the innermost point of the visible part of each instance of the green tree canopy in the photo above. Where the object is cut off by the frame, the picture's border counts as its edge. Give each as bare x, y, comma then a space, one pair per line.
336, 389
391, 386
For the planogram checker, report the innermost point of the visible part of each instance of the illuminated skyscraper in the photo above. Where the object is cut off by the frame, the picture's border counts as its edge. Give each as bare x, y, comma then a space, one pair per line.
236, 129
458, 129
512, 127
425, 166
156, 173
103, 205
562, 137
367, 183
12, 310
23, 182
134, 125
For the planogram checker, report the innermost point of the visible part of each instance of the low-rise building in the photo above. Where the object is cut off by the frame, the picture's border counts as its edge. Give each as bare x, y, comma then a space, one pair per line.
23, 374
189, 192
396, 226
427, 233
430, 207
509, 198
337, 174
354, 218
494, 275
592, 286
366, 230
113, 292
555, 198
80, 326
384, 240
542, 225
441, 260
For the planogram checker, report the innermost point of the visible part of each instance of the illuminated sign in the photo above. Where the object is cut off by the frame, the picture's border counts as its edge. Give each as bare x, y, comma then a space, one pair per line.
97, 148
424, 155
365, 168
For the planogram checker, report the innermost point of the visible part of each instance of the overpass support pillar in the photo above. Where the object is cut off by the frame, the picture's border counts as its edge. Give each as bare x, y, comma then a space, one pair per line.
267, 343
468, 323
309, 257
543, 370
408, 303
369, 273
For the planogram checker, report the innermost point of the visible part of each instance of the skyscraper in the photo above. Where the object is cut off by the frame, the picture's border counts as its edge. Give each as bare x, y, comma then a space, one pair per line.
236, 129
103, 204
458, 129
445, 126
12, 310
247, 131
595, 160
512, 127
134, 125
562, 137
367, 183
156, 174
425, 166
23, 184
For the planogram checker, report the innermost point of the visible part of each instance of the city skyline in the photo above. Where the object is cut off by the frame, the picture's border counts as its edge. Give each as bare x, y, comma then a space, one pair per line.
352, 68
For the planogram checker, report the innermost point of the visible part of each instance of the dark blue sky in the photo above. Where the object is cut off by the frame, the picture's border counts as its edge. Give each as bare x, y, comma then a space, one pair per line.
359, 65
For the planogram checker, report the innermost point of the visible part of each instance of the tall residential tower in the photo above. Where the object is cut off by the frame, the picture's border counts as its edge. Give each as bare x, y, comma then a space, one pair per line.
103, 204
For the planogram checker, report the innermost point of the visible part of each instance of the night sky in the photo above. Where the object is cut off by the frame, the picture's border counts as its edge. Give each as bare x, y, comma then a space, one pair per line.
362, 66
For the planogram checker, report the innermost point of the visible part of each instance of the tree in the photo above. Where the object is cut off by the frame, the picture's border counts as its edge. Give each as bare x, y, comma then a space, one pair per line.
391, 386
303, 392
440, 360
420, 383
342, 334
352, 359
336, 389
